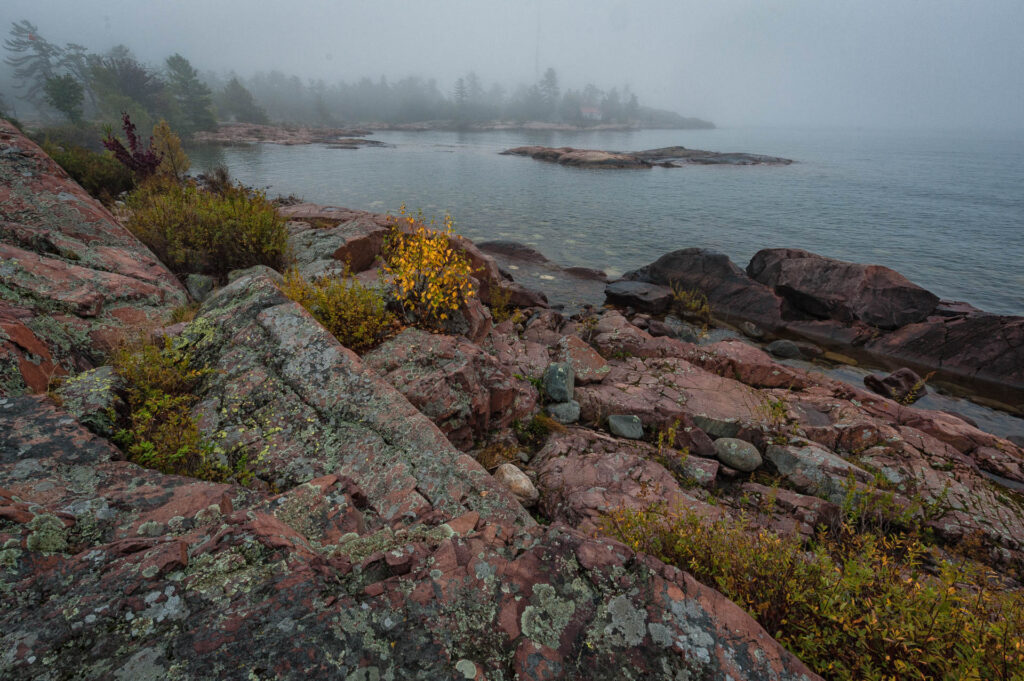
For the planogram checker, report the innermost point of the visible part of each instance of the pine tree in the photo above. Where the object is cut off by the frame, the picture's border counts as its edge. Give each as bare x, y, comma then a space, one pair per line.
34, 59
65, 94
192, 97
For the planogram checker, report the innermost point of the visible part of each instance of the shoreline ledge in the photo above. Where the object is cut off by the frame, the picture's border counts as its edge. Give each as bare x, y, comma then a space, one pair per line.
870, 312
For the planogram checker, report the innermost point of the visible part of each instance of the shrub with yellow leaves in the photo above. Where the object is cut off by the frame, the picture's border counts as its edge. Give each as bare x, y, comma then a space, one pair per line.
430, 279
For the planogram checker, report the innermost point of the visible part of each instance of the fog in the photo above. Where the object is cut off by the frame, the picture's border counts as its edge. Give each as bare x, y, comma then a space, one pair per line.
872, 63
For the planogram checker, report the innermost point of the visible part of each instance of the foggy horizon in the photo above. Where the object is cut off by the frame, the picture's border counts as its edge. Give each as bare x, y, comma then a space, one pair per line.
939, 65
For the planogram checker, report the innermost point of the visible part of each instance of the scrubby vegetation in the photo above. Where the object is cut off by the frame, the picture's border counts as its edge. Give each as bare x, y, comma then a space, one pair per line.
430, 279
852, 605
691, 304
357, 315
155, 427
195, 231
99, 173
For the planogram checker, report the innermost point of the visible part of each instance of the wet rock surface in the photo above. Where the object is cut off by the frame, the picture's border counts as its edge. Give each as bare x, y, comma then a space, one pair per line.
72, 280
868, 311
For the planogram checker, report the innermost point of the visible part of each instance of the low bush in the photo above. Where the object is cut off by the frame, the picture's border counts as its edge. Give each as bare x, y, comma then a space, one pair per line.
430, 279
860, 607
534, 433
357, 315
155, 427
98, 173
691, 304
195, 231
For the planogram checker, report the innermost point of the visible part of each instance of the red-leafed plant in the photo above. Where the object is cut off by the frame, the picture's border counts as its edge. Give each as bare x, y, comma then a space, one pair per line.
142, 162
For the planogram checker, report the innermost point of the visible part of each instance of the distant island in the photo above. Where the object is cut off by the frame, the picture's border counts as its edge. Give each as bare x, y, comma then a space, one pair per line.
665, 157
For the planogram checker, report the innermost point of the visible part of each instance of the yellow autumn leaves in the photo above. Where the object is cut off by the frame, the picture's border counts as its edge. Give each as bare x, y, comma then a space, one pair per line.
429, 278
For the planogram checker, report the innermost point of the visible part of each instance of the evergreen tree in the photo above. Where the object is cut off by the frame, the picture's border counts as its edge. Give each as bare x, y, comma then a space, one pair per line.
65, 94
192, 99
549, 93
34, 60
238, 103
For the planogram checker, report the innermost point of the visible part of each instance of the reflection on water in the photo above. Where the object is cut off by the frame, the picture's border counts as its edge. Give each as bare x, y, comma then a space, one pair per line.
947, 211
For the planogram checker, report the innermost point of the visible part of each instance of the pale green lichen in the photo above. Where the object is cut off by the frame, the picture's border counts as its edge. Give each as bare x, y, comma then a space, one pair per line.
47, 534
545, 621
359, 548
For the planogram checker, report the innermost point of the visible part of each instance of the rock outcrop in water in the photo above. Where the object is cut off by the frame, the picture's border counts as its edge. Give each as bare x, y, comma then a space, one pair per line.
374, 544
869, 310
666, 157
253, 133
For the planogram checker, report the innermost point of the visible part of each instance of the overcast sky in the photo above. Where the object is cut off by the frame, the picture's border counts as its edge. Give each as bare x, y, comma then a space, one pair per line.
821, 63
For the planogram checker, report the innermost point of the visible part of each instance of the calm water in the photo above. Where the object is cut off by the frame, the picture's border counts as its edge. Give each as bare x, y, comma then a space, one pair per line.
946, 210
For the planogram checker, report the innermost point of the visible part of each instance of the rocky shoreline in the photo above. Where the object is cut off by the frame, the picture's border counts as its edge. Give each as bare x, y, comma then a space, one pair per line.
400, 524
665, 157
255, 133
867, 311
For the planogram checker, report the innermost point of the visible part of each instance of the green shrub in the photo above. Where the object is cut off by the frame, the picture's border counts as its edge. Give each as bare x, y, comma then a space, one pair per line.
99, 173
155, 427
859, 607
357, 315
194, 231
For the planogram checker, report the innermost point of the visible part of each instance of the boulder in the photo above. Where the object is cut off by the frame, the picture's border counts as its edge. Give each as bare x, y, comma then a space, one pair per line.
785, 349
902, 385
461, 388
516, 481
626, 425
582, 488
826, 288
639, 295
738, 454
587, 365
732, 294
558, 382
512, 250
814, 470
199, 286
564, 412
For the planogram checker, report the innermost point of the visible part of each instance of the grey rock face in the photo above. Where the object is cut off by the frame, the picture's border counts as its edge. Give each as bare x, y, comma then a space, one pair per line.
558, 381
199, 286
565, 412
627, 426
738, 454
785, 349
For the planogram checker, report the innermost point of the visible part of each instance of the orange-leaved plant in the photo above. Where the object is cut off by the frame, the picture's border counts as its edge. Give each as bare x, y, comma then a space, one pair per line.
430, 279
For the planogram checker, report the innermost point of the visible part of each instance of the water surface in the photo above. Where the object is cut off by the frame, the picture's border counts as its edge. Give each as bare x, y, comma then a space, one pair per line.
946, 210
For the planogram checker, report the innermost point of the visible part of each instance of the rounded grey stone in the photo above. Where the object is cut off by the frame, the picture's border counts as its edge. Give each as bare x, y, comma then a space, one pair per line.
626, 425
565, 412
559, 381
785, 349
738, 454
